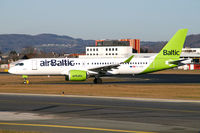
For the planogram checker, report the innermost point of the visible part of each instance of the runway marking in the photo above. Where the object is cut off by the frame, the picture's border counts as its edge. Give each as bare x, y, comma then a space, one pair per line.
105, 106
75, 127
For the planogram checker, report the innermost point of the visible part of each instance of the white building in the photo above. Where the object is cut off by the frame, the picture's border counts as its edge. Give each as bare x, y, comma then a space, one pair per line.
107, 51
191, 50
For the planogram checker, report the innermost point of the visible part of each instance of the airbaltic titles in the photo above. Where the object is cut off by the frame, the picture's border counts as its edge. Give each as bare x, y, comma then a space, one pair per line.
171, 52
54, 62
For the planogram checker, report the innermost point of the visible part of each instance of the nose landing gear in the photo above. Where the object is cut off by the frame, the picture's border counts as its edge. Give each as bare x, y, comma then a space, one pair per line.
25, 77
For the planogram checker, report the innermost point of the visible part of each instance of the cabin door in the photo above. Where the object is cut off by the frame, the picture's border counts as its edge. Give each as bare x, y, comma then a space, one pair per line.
34, 64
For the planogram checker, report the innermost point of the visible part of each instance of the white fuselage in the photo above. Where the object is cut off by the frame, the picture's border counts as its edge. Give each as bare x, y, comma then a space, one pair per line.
62, 66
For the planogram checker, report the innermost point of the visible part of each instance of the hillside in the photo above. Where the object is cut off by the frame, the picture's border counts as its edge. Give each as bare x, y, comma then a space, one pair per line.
192, 41
45, 42
66, 44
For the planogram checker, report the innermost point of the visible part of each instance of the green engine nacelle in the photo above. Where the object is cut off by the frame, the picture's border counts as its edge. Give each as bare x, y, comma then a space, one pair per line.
76, 75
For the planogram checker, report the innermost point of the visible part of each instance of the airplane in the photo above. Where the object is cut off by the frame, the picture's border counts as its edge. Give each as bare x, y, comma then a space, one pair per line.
80, 69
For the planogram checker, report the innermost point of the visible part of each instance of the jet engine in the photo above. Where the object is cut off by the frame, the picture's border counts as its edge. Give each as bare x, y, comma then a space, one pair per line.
76, 75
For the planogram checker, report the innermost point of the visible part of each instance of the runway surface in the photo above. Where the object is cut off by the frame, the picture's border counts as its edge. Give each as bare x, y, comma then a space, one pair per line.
158, 78
61, 114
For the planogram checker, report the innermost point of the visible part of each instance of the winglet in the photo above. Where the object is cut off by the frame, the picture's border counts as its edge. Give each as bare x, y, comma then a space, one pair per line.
129, 59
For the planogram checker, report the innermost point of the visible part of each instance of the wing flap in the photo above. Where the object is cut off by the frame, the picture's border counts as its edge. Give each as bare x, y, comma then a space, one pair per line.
104, 69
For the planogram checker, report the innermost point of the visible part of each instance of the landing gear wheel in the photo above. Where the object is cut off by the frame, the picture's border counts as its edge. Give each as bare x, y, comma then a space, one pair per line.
97, 81
26, 81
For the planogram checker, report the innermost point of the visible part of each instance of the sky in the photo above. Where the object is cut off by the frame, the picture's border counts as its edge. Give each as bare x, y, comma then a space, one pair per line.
148, 20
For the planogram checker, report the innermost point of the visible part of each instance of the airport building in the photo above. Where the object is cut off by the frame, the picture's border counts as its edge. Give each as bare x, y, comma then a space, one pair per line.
112, 48
194, 54
191, 50
134, 43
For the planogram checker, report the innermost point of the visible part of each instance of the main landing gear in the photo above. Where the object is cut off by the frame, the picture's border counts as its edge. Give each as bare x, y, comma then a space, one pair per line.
97, 80
25, 77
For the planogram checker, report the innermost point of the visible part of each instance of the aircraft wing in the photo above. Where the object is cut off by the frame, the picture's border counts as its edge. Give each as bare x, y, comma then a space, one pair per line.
104, 69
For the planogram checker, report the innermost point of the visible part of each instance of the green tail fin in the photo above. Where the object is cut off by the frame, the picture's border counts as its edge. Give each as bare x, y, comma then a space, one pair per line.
174, 47
170, 52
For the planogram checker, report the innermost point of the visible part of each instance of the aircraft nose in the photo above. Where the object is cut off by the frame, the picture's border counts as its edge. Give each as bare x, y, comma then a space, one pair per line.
11, 71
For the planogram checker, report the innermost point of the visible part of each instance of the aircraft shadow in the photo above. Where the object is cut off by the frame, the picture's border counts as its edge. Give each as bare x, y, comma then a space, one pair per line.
143, 79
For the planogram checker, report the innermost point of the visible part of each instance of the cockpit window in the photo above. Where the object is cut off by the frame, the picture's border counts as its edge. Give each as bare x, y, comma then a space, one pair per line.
19, 64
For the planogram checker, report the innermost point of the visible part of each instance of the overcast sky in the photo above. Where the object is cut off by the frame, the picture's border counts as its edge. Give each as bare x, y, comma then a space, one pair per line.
151, 20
